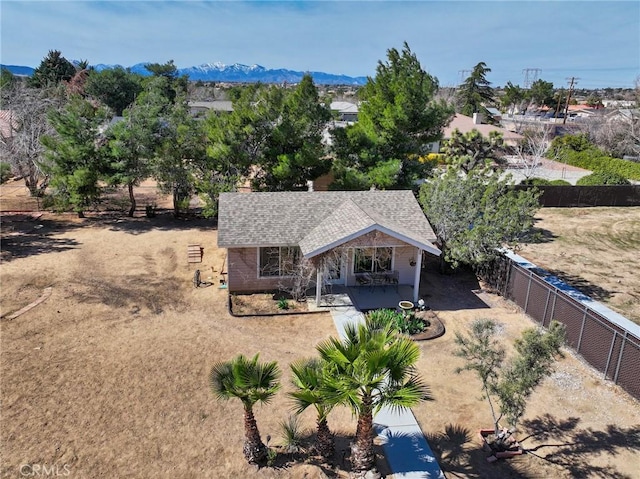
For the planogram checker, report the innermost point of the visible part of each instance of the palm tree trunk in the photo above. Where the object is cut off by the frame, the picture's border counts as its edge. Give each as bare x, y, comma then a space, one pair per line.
254, 450
362, 453
325, 440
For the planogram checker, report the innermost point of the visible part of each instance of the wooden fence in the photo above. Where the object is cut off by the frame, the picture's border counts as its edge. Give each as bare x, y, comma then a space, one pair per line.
572, 196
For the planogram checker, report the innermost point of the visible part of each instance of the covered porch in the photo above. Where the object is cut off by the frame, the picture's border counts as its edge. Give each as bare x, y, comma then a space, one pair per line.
364, 298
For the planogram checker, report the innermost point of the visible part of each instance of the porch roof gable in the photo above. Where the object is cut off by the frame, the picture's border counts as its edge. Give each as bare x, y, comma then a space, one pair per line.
350, 221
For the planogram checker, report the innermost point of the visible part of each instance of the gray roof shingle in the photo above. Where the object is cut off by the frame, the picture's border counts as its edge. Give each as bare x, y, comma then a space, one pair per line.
318, 219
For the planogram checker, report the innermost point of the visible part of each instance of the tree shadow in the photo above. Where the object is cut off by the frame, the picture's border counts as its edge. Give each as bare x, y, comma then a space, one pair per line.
540, 236
333, 467
460, 455
23, 235
586, 287
571, 448
163, 221
450, 292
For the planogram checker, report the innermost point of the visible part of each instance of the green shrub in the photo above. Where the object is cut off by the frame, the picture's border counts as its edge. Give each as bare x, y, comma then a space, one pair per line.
578, 142
406, 323
535, 182
576, 150
544, 182
5, 171
291, 435
602, 178
283, 304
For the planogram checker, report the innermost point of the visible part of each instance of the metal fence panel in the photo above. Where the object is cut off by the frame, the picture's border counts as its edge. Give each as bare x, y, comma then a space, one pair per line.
629, 369
538, 292
596, 342
606, 346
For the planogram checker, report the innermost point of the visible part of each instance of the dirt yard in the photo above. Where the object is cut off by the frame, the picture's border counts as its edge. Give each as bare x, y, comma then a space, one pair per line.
108, 377
595, 250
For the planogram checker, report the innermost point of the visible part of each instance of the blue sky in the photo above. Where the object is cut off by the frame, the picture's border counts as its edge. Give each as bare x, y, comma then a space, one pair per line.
595, 41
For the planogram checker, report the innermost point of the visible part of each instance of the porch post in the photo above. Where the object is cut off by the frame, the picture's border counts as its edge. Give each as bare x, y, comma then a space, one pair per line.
416, 280
318, 285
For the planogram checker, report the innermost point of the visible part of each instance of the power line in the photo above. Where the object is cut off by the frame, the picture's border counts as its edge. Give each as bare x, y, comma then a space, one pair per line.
530, 76
463, 75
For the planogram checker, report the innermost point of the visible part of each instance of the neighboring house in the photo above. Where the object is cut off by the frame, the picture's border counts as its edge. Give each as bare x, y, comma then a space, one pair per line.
202, 107
353, 238
345, 110
465, 124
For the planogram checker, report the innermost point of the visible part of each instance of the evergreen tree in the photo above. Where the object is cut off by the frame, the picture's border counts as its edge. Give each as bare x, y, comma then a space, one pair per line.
476, 94
541, 93
398, 119
295, 153
134, 141
476, 213
115, 87
76, 161
513, 98
53, 69
181, 144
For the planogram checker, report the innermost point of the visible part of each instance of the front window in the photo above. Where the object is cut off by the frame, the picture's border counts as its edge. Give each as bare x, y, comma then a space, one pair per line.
279, 260
372, 260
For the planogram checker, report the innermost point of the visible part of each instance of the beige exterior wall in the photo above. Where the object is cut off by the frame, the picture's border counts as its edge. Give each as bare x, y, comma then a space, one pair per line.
242, 264
242, 267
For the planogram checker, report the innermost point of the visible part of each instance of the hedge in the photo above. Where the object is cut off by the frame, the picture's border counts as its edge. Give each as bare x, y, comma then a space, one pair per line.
594, 160
576, 150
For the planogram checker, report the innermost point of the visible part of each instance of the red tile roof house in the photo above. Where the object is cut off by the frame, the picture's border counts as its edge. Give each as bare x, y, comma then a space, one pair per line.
376, 236
465, 124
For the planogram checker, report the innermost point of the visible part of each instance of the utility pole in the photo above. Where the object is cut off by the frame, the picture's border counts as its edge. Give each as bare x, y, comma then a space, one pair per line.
530, 76
572, 82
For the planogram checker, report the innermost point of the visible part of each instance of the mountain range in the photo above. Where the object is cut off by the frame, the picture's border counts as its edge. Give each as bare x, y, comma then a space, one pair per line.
237, 73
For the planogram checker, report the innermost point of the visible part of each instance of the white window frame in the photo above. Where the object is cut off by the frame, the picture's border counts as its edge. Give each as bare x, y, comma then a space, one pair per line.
373, 262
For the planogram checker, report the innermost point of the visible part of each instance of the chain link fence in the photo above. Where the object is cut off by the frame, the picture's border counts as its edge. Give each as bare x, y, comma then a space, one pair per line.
607, 346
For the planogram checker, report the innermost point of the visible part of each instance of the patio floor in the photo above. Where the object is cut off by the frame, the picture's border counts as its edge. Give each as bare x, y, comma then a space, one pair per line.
365, 298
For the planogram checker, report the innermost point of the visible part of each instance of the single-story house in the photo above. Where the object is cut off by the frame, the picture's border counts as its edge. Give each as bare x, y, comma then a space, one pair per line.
465, 124
345, 110
202, 107
351, 238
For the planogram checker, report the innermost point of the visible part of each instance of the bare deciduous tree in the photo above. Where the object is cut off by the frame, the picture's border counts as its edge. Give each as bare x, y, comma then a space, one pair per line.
531, 150
617, 134
26, 109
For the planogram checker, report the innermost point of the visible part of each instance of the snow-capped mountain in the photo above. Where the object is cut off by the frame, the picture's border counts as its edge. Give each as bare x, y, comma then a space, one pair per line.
237, 72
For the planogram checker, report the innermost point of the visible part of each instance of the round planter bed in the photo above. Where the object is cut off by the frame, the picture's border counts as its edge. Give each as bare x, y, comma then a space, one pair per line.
434, 330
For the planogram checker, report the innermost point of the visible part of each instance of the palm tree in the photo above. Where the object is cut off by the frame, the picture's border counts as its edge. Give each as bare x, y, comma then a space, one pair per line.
308, 379
251, 382
372, 368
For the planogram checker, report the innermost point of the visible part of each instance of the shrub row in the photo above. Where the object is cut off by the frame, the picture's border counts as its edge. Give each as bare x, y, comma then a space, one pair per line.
576, 150
594, 160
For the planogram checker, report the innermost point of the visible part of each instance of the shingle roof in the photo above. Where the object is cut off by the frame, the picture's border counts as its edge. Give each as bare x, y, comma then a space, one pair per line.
319, 220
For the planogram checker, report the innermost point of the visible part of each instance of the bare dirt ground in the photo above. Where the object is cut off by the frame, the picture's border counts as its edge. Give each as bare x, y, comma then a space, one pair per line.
595, 250
109, 375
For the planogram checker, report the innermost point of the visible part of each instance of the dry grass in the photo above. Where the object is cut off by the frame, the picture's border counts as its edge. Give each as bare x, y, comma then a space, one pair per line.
595, 250
110, 375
